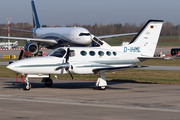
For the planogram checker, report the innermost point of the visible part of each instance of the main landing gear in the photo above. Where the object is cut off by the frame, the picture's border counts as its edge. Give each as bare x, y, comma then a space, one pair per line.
101, 82
47, 82
27, 85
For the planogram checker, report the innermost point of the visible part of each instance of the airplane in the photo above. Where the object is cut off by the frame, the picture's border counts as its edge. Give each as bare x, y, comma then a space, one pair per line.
91, 60
6, 44
53, 37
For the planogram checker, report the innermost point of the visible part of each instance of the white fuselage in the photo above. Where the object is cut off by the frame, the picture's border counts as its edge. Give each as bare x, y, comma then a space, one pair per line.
81, 61
73, 36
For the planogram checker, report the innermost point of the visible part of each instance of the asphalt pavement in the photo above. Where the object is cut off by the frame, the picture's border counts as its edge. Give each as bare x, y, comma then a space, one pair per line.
81, 100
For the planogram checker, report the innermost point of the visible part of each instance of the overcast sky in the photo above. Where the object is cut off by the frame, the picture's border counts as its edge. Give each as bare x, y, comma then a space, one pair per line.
84, 12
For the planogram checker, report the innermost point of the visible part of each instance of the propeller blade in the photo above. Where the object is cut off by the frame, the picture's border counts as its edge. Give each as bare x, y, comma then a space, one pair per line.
64, 65
67, 55
21, 54
58, 68
70, 74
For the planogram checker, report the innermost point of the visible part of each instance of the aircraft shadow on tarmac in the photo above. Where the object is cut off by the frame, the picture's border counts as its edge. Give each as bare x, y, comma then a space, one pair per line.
64, 85
128, 81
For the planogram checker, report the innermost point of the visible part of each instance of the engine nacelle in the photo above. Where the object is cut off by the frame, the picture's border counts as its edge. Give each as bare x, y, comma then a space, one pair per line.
31, 47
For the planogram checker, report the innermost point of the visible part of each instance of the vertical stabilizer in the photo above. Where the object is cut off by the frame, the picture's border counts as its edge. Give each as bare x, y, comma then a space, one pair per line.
146, 40
15, 43
35, 17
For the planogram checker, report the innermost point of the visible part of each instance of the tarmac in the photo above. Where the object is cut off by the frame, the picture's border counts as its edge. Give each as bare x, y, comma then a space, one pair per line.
80, 100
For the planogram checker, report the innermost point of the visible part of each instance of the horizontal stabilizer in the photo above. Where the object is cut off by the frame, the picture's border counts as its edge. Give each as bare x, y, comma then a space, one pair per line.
18, 30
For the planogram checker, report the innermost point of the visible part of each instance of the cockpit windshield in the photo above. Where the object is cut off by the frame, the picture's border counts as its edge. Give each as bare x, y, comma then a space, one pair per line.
57, 53
84, 34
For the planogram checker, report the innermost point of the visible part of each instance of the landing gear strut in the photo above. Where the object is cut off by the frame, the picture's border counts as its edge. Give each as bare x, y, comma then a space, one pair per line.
47, 82
101, 82
27, 85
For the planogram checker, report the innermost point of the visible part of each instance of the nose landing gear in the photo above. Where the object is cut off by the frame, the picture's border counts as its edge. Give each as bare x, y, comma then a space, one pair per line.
27, 85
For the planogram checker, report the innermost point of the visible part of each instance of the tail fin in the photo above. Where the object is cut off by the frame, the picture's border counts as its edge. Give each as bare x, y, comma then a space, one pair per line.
35, 17
15, 43
146, 40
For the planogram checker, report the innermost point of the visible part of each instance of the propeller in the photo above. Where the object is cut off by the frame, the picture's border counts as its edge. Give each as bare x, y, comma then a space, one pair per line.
66, 64
70, 74
67, 55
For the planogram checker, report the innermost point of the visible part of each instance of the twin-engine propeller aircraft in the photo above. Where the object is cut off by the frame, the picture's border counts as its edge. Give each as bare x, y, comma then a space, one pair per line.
91, 60
54, 37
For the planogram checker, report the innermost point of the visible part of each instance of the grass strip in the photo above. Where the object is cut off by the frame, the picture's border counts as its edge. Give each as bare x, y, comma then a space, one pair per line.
133, 76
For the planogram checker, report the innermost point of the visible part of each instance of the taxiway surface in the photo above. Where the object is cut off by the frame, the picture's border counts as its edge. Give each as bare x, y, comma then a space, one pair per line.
69, 100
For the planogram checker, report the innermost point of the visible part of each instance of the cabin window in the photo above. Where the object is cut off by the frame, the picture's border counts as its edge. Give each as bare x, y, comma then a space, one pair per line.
114, 53
71, 53
83, 53
108, 53
92, 53
58, 53
100, 53
84, 34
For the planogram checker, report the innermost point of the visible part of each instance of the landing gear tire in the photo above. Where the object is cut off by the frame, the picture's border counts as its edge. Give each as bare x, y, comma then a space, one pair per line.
48, 82
27, 86
102, 87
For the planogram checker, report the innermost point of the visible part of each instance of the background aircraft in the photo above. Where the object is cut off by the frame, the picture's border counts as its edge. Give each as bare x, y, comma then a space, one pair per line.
53, 37
91, 60
5, 45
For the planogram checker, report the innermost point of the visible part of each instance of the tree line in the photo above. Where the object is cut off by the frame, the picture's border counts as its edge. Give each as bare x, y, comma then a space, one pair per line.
168, 29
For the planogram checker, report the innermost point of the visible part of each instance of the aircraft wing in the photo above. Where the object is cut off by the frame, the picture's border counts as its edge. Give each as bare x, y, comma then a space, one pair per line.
116, 35
109, 69
18, 30
49, 41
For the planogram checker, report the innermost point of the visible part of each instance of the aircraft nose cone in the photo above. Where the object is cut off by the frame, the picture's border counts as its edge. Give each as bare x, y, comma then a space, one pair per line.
88, 40
84, 41
11, 67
